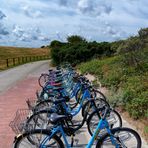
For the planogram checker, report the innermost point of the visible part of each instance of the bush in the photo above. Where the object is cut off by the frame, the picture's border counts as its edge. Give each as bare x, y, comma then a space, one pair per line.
143, 33
138, 107
131, 51
77, 50
75, 39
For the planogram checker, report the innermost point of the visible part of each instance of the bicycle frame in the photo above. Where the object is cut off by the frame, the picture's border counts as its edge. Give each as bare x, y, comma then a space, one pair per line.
59, 129
86, 94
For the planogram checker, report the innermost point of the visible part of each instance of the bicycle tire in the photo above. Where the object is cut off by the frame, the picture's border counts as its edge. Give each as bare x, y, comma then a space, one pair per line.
101, 95
90, 120
42, 132
85, 109
43, 79
105, 138
38, 120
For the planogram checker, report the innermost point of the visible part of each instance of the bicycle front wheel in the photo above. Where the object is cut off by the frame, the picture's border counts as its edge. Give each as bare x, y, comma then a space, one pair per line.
35, 138
122, 138
43, 79
114, 120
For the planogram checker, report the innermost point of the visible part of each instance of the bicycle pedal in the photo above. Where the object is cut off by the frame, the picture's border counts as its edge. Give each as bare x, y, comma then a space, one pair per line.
111, 126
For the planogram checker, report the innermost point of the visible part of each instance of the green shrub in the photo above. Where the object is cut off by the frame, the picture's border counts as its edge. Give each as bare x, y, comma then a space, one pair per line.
138, 107
115, 97
77, 50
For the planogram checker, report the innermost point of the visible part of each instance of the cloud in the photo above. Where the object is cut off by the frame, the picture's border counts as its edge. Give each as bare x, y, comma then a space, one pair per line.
113, 32
3, 30
44, 38
94, 7
38, 20
63, 2
29, 12
28, 35
2, 15
17, 31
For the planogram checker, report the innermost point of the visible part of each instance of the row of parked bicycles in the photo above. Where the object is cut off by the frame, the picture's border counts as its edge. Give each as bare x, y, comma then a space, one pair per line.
66, 102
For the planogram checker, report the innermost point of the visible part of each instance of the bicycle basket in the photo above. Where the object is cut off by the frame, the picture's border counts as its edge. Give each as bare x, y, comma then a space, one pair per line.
18, 125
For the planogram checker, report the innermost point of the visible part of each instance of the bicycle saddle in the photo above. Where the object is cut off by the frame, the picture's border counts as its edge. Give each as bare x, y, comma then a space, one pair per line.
54, 118
60, 100
58, 81
58, 75
57, 72
57, 84
50, 70
58, 88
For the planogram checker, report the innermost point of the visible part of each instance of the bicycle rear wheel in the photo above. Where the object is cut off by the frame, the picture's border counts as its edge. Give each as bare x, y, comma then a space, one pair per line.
98, 94
35, 138
38, 120
122, 137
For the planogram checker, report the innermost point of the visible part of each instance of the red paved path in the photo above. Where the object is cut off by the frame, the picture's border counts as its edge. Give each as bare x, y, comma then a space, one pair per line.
13, 99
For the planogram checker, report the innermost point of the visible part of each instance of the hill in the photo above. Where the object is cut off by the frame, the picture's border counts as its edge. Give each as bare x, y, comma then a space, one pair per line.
11, 52
13, 56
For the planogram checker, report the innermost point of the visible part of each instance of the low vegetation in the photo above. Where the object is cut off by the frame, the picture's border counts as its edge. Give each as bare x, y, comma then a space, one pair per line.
125, 74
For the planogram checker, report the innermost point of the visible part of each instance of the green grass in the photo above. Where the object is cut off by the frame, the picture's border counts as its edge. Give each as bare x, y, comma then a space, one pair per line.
129, 84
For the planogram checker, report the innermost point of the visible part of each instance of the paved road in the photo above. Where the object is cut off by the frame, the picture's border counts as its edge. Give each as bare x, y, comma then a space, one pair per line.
9, 77
16, 86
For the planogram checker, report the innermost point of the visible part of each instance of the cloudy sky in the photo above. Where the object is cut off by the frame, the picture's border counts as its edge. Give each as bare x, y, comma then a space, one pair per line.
33, 23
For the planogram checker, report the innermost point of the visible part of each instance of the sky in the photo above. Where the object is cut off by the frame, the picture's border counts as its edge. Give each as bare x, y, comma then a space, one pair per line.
33, 23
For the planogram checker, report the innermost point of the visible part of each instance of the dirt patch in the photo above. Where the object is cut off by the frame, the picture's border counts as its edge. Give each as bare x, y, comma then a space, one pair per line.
139, 125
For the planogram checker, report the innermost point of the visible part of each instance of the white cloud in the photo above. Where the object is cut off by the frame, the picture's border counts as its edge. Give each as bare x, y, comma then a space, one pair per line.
28, 35
28, 11
113, 32
18, 31
38, 20
44, 38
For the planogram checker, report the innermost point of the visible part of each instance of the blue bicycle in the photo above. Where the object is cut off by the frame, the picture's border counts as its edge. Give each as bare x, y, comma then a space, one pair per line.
118, 137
